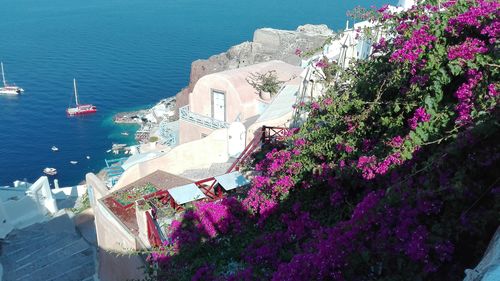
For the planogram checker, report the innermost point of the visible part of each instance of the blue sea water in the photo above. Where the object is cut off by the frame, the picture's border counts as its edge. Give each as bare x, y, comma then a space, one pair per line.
125, 54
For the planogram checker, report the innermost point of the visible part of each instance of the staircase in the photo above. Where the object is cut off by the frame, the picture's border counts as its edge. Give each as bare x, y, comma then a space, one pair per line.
52, 250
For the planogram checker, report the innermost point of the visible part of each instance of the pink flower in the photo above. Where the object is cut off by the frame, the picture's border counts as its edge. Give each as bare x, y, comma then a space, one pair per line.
321, 64
492, 90
467, 50
396, 141
419, 116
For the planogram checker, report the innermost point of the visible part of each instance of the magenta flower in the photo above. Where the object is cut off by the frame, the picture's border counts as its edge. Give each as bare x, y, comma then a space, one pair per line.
321, 64
419, 116
467, 50
396, 141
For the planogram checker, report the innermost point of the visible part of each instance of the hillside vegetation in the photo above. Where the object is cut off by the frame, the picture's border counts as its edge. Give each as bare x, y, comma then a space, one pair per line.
394, 175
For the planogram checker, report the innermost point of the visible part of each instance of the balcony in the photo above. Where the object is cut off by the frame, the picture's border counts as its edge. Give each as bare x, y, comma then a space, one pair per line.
201, 120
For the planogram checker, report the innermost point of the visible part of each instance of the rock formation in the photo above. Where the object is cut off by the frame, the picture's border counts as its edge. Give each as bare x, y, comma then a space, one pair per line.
268, 44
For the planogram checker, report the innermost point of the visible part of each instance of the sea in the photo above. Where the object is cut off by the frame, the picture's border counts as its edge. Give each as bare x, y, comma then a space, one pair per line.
124, 55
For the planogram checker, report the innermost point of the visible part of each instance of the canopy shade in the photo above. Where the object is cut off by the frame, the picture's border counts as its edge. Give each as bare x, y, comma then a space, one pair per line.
232, 180
186, 193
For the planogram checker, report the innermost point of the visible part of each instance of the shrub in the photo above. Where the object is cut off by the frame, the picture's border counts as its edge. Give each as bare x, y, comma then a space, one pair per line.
392, 177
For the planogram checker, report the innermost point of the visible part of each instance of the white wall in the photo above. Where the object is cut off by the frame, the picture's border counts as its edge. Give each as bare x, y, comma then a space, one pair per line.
28, 207
40, 192
72, 191
199, 154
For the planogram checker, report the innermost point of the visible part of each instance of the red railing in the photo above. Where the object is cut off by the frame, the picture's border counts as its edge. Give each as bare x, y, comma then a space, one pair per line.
210, 190
265, 135
153, 232
270, 134
209, 185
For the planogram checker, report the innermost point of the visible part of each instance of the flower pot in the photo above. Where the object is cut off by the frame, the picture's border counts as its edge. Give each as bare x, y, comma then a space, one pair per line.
265, 95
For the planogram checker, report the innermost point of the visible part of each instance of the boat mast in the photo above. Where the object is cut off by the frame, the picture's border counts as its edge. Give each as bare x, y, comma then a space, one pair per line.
3, 76
76, 95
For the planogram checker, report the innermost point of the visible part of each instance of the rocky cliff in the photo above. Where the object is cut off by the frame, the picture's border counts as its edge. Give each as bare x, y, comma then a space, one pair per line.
268, 44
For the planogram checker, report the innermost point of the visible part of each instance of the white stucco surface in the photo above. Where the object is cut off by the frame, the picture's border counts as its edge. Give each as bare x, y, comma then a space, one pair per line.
199, 154
21, 207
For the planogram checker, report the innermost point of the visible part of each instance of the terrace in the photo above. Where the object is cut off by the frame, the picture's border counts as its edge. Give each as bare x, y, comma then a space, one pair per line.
121, 202
148, 206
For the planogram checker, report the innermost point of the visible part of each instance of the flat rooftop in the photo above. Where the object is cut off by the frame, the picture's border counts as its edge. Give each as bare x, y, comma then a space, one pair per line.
160, 180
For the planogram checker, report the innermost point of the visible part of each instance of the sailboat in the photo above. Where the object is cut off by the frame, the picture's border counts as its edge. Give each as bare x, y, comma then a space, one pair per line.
9, 89
80, 108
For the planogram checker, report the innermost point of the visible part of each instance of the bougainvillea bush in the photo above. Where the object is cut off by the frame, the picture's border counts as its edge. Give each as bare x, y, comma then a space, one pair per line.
394, 175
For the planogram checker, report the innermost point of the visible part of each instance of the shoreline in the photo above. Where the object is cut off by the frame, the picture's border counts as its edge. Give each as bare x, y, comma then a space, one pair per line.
149, 119
240, 55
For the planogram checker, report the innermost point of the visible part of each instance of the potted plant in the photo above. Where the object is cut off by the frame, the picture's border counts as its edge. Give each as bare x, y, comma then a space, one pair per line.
267, 85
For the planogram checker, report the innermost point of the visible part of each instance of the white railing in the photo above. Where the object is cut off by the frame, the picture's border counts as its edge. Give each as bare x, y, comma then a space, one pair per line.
169, 132
201, 120
41, 193
26, 206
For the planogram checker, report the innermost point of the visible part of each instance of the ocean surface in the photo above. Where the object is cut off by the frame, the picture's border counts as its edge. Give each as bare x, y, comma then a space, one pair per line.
125, 54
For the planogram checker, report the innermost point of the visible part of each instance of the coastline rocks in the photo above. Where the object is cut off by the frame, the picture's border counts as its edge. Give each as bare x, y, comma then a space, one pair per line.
268, 44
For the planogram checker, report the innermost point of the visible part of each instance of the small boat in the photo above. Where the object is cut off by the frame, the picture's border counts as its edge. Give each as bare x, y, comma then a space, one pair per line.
88, 157
50, 171
118, 146
54, 148
9, 89
125, 133
73, 162
80, 109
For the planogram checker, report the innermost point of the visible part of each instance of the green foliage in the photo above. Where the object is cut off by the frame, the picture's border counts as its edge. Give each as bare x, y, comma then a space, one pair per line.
84, 204
440, 177
265, 82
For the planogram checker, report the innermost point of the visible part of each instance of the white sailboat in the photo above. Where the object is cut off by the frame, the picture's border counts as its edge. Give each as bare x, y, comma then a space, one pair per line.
80, 108
9, 89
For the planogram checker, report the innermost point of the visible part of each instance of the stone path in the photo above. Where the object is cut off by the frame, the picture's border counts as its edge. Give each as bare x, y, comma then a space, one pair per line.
215, 169
52, 250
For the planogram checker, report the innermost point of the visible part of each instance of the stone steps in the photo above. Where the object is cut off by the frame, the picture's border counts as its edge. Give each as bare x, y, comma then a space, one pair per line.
52, 250
76, 274
32, 248
57, 257
62, 267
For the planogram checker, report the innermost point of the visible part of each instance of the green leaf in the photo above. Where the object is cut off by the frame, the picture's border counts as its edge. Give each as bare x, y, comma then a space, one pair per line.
455, 68
422, 134
396, 108
429, 101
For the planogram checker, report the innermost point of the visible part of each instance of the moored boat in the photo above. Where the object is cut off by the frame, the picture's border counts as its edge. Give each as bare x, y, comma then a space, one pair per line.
50, 171
80, 109
9, 89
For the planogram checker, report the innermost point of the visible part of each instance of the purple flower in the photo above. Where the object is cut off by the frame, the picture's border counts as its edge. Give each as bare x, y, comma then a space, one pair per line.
396, 141
467, 50
412, 48
420, 115
327, 101
315, 106
367, 165
465, 97
492, 90
300, 142
321, 64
